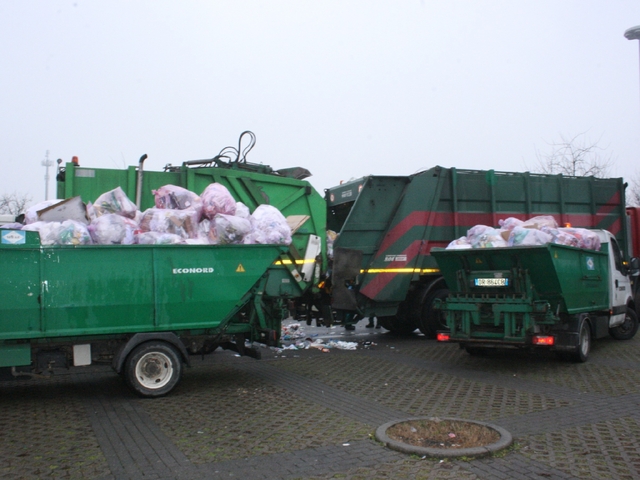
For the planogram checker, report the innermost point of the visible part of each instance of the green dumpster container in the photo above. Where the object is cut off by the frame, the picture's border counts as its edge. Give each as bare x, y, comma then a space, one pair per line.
52, 291
523, 296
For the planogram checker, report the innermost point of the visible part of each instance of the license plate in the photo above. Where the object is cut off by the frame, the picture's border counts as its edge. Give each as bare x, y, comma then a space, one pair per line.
491, 282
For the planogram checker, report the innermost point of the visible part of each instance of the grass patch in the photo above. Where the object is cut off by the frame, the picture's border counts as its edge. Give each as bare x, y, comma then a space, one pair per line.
443, 434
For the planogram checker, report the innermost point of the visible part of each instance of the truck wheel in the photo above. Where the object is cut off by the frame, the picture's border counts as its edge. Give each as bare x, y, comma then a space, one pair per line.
397, 325
153, 369
476, 351
432, 320
627, 330
584, 342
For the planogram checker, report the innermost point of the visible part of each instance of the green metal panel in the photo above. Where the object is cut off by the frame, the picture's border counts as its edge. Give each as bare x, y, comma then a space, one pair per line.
20, 288
97, 289
15, 355
198, 289
281, 284
56, 291
571, 280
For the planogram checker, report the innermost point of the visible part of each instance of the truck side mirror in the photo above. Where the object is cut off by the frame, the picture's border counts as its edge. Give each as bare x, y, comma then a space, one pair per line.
634, 267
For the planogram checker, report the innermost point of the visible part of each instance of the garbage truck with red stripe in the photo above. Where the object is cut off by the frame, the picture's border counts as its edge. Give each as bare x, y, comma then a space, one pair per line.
387, 227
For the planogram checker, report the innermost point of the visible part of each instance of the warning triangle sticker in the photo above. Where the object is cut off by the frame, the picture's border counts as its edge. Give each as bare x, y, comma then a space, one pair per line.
240, 268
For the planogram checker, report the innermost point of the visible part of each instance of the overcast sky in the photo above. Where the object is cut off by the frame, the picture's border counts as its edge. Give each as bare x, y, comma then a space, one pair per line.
342, 88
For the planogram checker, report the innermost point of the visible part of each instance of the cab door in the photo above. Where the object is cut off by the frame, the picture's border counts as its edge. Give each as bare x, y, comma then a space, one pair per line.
619, 284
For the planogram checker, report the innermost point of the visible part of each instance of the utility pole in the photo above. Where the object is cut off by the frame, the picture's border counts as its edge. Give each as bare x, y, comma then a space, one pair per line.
46, 163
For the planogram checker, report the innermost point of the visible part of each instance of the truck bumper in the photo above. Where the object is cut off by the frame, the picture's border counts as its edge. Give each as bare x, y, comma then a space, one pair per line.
564, 342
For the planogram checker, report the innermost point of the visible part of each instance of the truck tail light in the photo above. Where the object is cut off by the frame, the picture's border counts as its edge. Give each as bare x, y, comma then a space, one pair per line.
442, 337
544, 340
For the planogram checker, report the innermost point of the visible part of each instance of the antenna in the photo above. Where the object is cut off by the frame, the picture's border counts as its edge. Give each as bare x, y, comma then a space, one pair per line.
46, 163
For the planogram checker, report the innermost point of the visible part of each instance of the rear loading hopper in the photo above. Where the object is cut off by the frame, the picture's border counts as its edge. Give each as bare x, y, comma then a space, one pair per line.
524, 296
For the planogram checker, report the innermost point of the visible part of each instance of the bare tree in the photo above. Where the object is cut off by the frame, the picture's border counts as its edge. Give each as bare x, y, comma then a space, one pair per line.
14, 203
576, 156
633, 191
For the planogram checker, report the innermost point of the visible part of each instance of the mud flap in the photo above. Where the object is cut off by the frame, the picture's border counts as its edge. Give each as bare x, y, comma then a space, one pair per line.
567, 341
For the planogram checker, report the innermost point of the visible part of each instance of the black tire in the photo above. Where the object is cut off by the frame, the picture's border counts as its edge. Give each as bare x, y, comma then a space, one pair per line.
476, 351
584, 342
628, 329
431, 320
398, 325
382, 321
153, 369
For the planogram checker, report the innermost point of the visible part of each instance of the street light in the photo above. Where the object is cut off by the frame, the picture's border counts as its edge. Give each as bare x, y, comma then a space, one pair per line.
633, 33
46, 163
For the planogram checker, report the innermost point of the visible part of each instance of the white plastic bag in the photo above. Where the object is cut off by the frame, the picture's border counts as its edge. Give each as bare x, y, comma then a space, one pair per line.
483, 236
73, 233
156, 238
217, 199
204, 234
242, 210
268, 226
510, 223
586, 238
229, 229
115, 201
540, 221
179, 222
561, 236
461, 243
110, 229
48, 231
31, 214
175, 197
68, 232
528, 236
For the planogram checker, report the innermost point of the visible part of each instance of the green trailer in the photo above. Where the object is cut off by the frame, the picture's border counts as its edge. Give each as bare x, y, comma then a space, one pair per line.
388, 226
546, 296
143, 308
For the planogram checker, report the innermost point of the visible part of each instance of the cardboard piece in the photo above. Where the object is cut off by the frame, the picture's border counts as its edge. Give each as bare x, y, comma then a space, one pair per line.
70, 209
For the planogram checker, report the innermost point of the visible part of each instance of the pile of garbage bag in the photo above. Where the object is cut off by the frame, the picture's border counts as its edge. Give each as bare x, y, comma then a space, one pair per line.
178, 217
68, 232
539, 230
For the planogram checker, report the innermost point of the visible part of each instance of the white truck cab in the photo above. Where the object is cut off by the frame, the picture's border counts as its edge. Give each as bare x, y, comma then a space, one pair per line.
620, 283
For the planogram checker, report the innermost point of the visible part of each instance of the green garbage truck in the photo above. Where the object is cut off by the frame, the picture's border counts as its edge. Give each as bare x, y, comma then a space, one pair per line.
387, 226
146, 309
549, 296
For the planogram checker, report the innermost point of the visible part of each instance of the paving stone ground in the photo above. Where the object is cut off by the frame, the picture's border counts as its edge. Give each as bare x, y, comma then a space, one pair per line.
312, 415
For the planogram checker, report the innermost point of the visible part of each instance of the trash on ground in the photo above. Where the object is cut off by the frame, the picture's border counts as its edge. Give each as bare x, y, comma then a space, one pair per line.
295, 334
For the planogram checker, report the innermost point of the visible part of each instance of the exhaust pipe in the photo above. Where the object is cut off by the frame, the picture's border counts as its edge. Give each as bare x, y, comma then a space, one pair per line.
139, 183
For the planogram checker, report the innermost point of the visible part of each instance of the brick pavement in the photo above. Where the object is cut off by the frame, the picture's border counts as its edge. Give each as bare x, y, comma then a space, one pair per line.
308, 414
